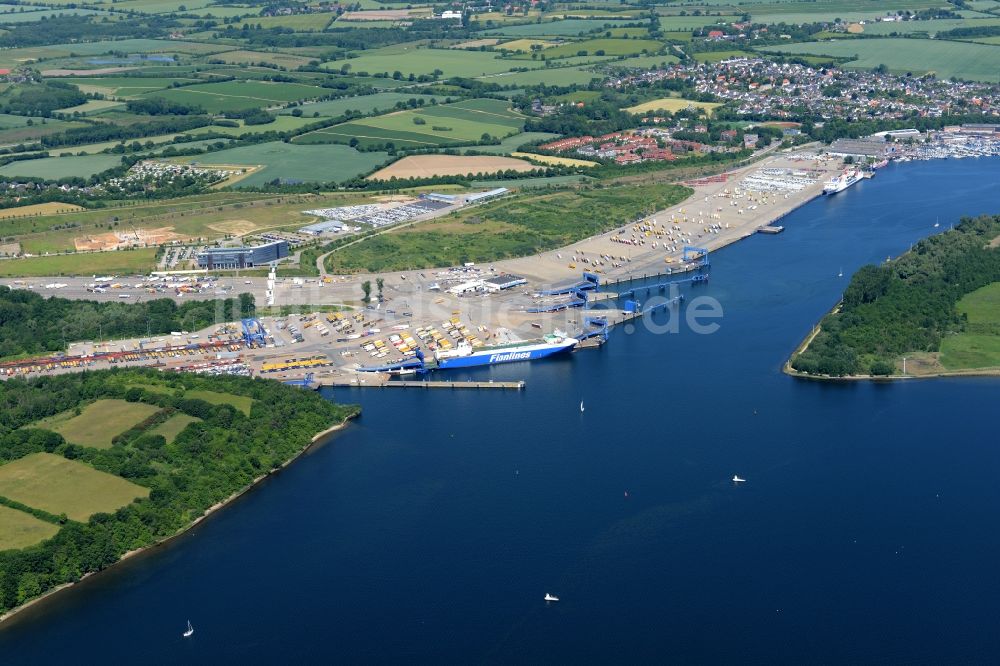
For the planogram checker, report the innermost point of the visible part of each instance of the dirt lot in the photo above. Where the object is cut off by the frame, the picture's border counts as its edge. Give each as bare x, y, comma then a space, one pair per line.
116, 241
424, 166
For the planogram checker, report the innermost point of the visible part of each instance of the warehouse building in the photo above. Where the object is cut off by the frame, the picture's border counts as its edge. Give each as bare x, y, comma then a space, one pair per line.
242, 257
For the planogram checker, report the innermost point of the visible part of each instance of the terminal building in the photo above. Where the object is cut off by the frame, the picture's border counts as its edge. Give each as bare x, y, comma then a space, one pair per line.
858, 148
242, 257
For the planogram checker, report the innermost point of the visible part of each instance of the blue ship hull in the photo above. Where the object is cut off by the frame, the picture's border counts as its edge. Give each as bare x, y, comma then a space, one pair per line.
509, 355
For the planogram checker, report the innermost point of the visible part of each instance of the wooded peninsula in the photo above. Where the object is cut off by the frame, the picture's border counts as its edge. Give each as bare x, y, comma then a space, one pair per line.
94, 465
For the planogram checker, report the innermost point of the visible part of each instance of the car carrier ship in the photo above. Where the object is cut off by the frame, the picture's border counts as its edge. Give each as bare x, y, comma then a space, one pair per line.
466, 356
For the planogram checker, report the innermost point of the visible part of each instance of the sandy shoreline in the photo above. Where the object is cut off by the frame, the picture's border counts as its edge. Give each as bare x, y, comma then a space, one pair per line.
165, 540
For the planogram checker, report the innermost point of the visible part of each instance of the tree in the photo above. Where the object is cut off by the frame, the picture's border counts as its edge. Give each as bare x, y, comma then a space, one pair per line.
379, 283
366, 287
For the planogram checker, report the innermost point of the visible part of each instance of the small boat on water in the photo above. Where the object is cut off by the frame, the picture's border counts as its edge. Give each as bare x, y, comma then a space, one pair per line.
737, 479
551, 597
581, 405
841, 273
190, 630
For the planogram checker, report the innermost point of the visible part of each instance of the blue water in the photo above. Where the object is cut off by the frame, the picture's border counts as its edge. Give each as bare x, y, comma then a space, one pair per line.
430, 530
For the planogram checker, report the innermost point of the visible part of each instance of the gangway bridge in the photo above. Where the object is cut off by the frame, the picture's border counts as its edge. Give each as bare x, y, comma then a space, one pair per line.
253, 332
590, 282
416, 364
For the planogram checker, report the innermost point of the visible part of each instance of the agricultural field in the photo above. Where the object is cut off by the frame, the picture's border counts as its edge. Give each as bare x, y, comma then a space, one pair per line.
557, 161
525, 45
979, 345
124, 86
426, 166
417, 61
672, 104
91, 107
560, 28
719, 56
611, 47
51, 208
58, 485
320, 163
383, 101
689, 23
512, 227
91, 263
945, 58
564, 75
313, 22
240, 402
512, 143
173, 426
20, 530
444, 124
285, 60
55, 168
239, 95
931, 27
99, 422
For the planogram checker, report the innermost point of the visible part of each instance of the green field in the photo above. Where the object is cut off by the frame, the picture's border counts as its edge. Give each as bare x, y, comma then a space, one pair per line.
611, 47
91, 107
560, 28
173, 426
99, 422
55, 168
424, 61
564, 75
689, 23
931, 27
979, 345
285, 60
20, 530
57, 485
719, 56
240, 402
123, 86
384, 101
313, 22
311, 163
440, 125
91, 263
512, 143
962, 59
238, 95
512, 227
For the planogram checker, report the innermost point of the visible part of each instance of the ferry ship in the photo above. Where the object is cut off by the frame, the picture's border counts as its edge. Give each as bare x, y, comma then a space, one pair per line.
464, 356
842, 182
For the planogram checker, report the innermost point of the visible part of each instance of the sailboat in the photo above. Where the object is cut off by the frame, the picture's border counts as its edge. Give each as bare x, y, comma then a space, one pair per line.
737, 479
190, 630
937, 223
551, 597
841, 273
581, 405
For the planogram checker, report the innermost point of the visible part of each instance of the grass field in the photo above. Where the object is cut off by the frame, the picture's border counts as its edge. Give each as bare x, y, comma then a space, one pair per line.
525, 45
54, 168
238, 95
611, 47
52, 483
513, 142
123, 86
91, 107
962, 59
931, 27
979, 345
173, 426
313, 22
16, 57
440, 125
285, 60
560, 28
99, 422
20, 530
311, 163
512, 227
564, 75
240, 402
91, 263
672, 104
50, 208
689, 23
424, 61
383, 101
718, 56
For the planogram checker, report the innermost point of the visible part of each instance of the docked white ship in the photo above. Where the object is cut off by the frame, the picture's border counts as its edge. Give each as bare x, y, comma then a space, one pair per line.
842, 182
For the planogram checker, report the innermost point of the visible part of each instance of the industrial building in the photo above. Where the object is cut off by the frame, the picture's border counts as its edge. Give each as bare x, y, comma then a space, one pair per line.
502, 282
242, 257
486, 196
858, 148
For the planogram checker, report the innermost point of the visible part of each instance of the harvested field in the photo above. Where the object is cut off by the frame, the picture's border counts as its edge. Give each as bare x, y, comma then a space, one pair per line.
52, 483
425, 166
50, 208
559, 161
672, 104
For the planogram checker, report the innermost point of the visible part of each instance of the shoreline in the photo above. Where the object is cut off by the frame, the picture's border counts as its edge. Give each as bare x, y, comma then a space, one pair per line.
184, 530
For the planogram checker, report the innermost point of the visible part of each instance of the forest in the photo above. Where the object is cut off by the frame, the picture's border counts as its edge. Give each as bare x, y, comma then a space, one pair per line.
32, 324
906, 305
207, 462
